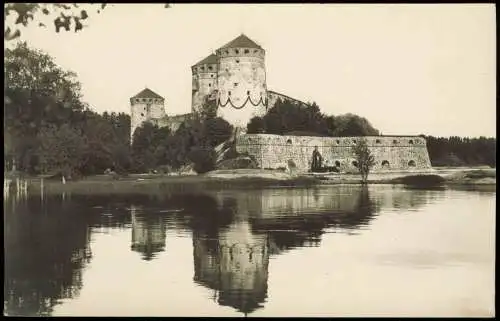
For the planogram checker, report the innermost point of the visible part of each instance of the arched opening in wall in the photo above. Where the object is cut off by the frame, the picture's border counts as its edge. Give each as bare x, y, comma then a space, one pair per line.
355, 164
412, 163
394, 141
209, 85
338, 142
385, 164
236, 51
377, 141
354, 141
255, 51
210, 68
247, 51
235, 84
410, 142
237, 61
289, 141
337, 164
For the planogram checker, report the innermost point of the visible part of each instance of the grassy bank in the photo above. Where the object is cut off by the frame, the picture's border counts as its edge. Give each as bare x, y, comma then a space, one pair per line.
250, 179
162, 184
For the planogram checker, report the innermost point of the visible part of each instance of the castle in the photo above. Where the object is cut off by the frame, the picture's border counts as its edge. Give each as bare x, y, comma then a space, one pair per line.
234, 77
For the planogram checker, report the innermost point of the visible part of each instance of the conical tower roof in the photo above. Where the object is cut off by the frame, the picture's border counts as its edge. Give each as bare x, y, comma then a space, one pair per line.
147, 93
241, 41
211, 59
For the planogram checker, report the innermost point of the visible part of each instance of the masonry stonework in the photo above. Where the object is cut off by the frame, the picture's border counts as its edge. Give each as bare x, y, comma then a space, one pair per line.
390, 152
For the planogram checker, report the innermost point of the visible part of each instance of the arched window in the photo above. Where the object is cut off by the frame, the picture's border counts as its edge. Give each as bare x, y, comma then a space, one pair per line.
411, 142
247, 51
377, 141
338, 141
337, 163
237, 61
210, 68
354, 141
385, 163
289, 141
412, 163
394, 141
236, 51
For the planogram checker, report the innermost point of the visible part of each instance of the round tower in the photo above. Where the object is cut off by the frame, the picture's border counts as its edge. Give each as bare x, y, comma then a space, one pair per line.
204, 82
241, 82
145, 106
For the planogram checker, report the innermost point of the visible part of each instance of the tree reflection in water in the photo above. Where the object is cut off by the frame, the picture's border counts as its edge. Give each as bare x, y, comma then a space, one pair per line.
45, 251
233, 232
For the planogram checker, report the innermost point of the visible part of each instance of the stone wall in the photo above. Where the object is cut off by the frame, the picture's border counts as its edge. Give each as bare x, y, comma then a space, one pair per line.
391, 152
273, 96
204, 82
144, 109
173, 122
241, 85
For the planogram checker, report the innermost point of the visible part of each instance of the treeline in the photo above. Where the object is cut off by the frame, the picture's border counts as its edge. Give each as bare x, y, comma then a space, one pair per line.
461, 151
49, 130
287, 117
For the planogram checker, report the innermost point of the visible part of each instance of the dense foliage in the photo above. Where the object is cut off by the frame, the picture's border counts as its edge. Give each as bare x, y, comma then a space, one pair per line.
461, 151
287, 117
193, 143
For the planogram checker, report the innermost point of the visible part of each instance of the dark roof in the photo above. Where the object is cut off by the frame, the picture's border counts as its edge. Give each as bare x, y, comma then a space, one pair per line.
147, 93
212, 59
241, 42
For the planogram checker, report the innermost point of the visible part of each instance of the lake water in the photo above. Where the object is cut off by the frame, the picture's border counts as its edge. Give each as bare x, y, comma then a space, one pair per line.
326, 251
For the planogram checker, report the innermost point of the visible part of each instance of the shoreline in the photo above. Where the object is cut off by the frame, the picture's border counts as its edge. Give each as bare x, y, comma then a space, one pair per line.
249, 179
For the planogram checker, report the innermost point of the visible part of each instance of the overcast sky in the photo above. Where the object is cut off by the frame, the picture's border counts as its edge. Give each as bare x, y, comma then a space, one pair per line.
409, 69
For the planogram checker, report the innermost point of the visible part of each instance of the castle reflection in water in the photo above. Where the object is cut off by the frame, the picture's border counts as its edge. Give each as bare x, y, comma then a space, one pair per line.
234, 234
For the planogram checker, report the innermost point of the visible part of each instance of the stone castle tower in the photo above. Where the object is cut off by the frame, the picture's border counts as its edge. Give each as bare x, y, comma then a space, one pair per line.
234, 78
145, 106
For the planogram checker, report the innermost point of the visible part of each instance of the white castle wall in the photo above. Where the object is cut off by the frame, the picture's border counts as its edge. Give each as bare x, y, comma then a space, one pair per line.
241, 80
144, 109
390, 152
204, 82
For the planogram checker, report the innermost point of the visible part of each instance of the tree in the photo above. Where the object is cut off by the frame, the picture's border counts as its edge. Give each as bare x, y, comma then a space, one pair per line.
287, 117
64, 16
364, 159
36, 92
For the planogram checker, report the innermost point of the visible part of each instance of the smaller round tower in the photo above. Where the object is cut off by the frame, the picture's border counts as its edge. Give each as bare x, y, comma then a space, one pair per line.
145, 106
241, 81
204, 82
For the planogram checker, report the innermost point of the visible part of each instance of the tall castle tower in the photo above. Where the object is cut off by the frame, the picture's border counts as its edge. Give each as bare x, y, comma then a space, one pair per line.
241, 81
204, 81
145, 106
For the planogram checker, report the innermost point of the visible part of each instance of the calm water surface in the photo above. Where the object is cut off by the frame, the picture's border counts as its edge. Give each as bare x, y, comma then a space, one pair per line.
327, 251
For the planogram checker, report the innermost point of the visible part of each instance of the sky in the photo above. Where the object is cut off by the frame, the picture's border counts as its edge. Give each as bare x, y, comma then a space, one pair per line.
409, 69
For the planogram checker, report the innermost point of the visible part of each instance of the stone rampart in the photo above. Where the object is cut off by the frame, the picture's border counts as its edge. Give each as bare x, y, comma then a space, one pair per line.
392, 153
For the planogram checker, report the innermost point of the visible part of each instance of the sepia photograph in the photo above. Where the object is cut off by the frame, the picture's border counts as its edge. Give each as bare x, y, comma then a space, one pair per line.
249, 160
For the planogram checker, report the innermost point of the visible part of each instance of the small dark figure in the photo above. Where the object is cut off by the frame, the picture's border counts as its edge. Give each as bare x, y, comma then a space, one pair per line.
317, 159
